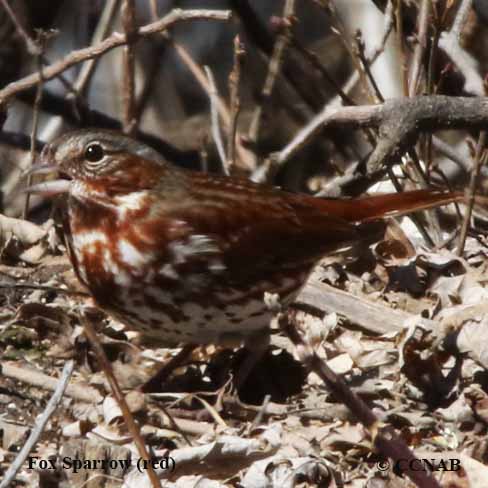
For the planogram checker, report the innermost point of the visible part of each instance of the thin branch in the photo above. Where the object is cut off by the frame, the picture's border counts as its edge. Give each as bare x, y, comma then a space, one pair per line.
128, 78
235, 103
449, 152
353, 53
401, 44
461, 18
150, 79
275, 63
261, 413
81, 392
151, 74
467, 64
84, 77
76, 90
214, 116
419, 52
40, 425
372, 54
153, 5
475, 172
417, 173
119, 397
316, 62
32, 47
293, 72
413, 217
115, 40
389, 21
361, 54
35, 124
266, 170
202, 79
223, 111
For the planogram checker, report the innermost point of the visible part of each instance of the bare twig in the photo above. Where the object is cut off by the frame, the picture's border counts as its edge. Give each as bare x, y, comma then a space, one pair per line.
214, 116
411, 171
128, 78
235, 103
35, 123
418, 56
35, 49
372, 53
447, 151
149, 82
293, 72
114, 40
202, 79
361, 54
353, 53
316, 62
274, 67
223, 111
475, 172
151, 74
267, 169
40, 425
153, 5
460, 19
119, 397
467, 64
29, 376
32, 47
103, 25
76, 91
401, 44
261, 413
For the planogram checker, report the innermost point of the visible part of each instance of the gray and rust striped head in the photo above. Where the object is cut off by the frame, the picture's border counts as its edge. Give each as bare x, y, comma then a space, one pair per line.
116, 160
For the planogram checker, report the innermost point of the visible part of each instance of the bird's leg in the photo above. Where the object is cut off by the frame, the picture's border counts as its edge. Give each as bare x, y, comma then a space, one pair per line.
154, 383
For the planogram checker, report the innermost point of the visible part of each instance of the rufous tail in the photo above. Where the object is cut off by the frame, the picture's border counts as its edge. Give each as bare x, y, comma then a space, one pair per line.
375, 207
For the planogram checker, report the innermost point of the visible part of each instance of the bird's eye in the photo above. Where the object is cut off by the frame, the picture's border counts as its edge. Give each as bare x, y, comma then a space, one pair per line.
94, 153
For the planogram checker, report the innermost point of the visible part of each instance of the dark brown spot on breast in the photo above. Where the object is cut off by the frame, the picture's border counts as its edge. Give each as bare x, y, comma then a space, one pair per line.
175, 314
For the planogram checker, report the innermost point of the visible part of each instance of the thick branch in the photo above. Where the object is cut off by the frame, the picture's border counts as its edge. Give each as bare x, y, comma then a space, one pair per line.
399, 121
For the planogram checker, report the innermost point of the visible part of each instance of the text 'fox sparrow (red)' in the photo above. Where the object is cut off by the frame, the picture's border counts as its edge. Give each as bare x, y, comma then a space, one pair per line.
186, 257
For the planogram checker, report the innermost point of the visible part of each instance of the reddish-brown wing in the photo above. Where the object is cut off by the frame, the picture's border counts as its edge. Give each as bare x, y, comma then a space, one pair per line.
258, 229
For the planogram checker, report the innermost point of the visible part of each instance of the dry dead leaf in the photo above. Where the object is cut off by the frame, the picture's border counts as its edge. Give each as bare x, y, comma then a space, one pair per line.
287, 473
13, 434
26, 232
473, 340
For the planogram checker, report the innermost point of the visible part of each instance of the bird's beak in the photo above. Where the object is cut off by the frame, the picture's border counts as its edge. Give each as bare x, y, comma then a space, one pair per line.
47, 188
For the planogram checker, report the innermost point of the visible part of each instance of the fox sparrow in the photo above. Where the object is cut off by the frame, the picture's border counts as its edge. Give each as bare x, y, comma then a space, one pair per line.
186, 257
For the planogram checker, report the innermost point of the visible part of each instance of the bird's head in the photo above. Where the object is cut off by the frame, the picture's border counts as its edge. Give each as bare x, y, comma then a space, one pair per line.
102, 160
